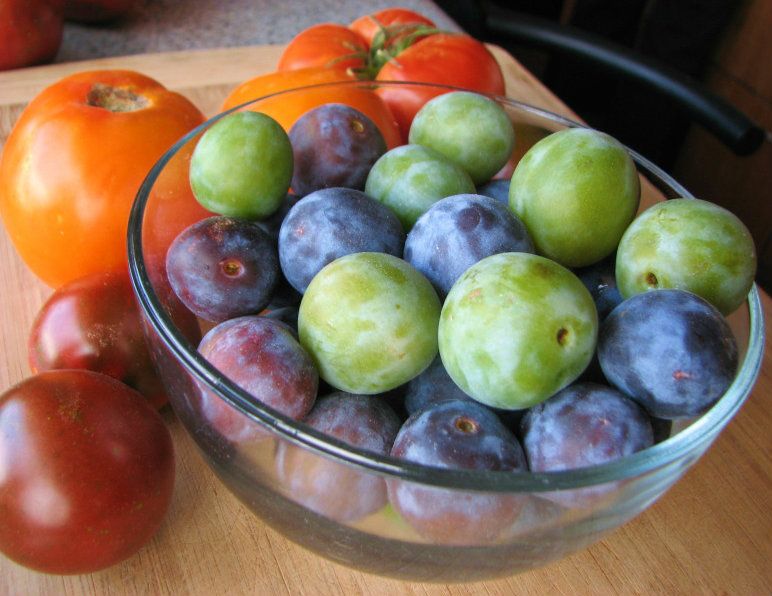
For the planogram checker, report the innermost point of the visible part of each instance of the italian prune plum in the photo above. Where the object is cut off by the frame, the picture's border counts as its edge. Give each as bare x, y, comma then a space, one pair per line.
333, 145
670, 350
261, 356
496, 189
331, 488
460, 435
330, 223
433, 385
458, 231
410, 178
272, 224
222, 267
600, 280
583, 425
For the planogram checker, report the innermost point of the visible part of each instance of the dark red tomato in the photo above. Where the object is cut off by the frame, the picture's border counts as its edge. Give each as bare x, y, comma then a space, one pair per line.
86, 471
369, 25
94, 323
444, 58
328, 45
30, 30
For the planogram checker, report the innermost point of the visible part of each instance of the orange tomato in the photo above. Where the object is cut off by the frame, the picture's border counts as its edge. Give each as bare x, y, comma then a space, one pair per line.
74, 162
288, 107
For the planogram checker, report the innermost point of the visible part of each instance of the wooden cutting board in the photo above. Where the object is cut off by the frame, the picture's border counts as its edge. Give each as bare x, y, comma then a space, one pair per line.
712, 533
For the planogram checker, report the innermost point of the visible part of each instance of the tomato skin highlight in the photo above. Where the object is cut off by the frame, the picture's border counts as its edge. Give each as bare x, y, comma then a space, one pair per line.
86, 471
74, 162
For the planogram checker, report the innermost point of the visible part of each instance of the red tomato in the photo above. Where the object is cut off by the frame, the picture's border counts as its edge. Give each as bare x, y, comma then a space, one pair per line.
369, 25
30, 30
445, 58
287, 108
94, 323
96, 11
87, 471
74, 162
326, 45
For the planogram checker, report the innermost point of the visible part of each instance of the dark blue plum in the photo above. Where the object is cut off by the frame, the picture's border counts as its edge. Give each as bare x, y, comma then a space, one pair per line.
669, 350
221, 268
286, 314
331, 223
331, 488
457, 232
462, 435
583, 425
496, 189
600, 280
433, 385
272, 224
333, 145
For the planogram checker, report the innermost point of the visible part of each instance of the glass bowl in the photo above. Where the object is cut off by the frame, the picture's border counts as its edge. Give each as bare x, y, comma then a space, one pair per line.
544, 516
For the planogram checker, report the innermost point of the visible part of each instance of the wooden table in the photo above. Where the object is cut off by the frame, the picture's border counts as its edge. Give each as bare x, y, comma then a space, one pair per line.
712, 533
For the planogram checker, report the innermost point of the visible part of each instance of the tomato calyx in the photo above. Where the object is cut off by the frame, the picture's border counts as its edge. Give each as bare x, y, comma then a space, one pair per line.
115, 99
388, 43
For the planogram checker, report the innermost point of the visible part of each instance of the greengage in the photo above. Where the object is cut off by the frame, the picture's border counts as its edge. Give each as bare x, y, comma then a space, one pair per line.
515, 329
369, 320
576, 191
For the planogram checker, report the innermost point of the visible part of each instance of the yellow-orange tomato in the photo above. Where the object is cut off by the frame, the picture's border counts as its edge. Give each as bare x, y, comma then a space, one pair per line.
287, 108
74, 162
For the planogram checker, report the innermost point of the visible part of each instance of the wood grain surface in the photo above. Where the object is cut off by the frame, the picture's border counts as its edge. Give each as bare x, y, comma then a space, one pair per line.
710, 534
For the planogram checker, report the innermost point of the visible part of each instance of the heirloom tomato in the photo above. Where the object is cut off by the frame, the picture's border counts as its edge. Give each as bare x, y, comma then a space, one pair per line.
369, 25
87, 471
94, 323
326, 45
74, 162
443, 58
286, 109
30, 30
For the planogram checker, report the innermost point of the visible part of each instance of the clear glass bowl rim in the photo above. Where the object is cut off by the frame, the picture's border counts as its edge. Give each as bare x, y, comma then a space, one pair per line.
693, 439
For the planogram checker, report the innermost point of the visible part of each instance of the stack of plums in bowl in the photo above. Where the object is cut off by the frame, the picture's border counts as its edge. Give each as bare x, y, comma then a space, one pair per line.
457, 358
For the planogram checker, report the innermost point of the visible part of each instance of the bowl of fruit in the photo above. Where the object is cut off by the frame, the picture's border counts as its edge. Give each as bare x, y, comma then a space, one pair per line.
447, 355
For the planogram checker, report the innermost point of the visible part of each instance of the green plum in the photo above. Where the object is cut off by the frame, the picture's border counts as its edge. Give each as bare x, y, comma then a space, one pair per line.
369, 321
515, 329
242, 166
470, 129
688, 244
411, 178
576, 191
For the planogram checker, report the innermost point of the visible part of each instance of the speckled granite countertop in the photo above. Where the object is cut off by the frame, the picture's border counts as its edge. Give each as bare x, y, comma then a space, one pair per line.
168, 25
